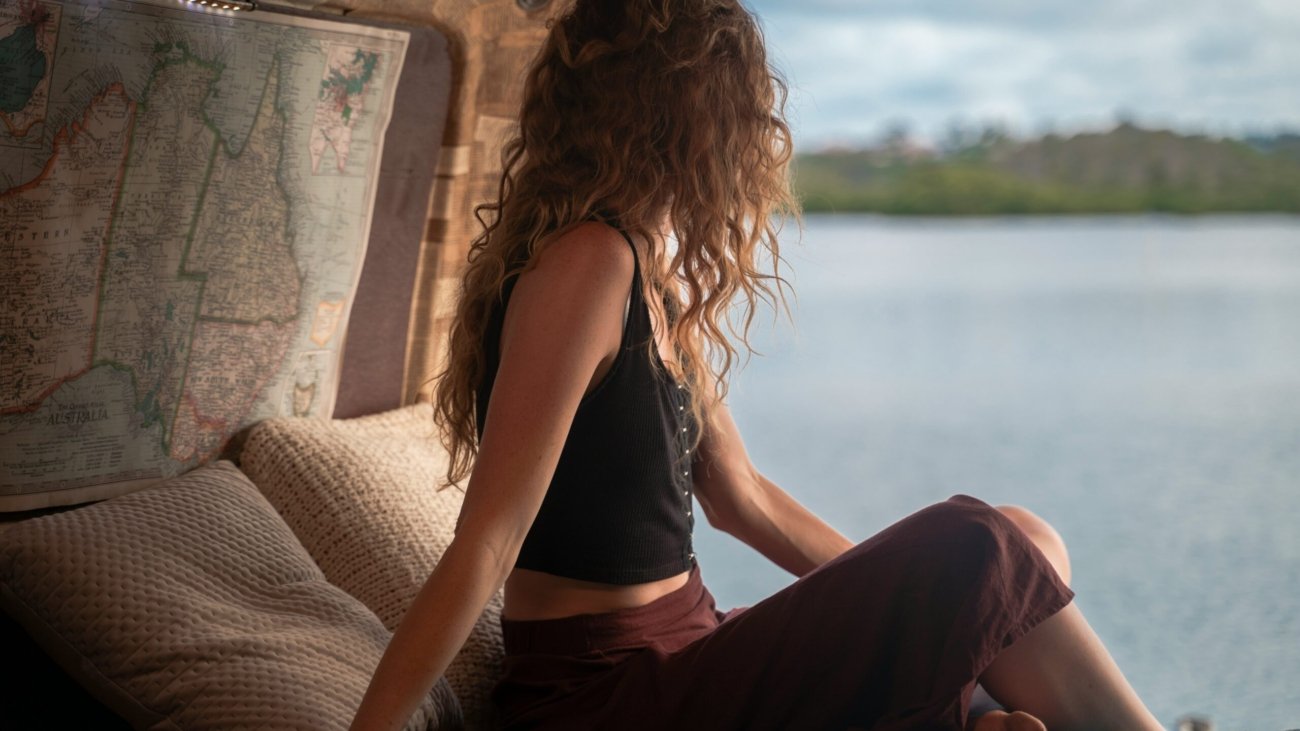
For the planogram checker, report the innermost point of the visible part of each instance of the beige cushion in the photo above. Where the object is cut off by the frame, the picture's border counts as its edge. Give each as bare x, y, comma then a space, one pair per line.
361, 494
192, 606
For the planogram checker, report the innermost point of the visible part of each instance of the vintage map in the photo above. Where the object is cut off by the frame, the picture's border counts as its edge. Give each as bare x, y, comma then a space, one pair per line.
185, 200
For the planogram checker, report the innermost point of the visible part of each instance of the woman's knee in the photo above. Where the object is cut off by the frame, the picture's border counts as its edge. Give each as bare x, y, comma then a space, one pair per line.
962, 533
961, 525
969, 527
1043, 535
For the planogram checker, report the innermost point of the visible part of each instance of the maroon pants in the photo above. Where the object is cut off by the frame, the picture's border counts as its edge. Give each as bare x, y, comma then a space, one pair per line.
892, 634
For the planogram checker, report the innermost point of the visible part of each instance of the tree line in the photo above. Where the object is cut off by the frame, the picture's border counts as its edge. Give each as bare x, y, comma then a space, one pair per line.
1127, 169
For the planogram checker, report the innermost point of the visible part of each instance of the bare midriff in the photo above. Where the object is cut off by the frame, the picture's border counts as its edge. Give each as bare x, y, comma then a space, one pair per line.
538, 595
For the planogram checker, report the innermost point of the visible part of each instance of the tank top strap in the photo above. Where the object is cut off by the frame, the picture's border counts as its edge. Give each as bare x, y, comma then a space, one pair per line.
638, 316
636, 258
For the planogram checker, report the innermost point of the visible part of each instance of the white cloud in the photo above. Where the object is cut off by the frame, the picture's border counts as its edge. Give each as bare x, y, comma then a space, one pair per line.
1212, 65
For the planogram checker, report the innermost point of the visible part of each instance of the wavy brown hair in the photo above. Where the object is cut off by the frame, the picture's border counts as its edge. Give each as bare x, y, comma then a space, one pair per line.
635, 112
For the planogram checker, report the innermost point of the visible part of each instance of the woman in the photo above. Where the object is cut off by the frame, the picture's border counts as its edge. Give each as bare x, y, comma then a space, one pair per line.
586, 385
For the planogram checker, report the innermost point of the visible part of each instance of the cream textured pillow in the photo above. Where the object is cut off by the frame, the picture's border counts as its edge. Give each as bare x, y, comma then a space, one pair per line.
191, 605
361, 494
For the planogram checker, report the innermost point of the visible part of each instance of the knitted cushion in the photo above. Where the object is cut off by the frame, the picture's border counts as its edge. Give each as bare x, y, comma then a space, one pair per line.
361, 494
192, 606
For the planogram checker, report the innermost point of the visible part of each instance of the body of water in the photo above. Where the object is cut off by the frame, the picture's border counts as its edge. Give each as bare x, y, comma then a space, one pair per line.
1133, 380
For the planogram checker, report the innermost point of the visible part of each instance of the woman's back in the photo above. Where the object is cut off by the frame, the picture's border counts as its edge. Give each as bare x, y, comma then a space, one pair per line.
618, 507
615, 525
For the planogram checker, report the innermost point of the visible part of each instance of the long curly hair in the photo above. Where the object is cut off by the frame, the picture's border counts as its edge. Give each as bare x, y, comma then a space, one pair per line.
639, 112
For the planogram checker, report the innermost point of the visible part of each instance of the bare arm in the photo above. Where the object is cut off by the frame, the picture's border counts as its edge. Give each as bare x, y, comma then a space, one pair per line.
739, 500
564, 320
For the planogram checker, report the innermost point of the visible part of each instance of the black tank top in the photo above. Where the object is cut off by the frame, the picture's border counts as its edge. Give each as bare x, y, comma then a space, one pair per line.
618, 509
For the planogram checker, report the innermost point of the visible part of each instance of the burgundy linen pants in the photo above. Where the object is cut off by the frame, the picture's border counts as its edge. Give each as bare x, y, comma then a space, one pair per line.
892, 634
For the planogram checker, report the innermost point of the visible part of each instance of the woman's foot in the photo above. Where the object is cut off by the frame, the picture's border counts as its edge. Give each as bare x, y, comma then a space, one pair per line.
1003, 721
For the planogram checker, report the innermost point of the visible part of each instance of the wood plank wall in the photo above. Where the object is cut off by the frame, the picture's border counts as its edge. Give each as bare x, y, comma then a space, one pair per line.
492, 42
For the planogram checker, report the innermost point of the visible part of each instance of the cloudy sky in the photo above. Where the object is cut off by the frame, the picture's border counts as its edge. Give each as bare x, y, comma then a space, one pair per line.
856, 66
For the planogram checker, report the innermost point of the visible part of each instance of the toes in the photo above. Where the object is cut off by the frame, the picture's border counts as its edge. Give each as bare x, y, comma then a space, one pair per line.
1003, 721
991, 721
1021, 721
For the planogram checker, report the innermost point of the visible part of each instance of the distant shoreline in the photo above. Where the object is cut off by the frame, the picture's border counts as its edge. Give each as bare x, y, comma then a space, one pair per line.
1126, 171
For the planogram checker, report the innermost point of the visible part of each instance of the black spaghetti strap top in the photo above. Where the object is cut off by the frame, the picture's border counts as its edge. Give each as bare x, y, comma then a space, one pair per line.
618, 509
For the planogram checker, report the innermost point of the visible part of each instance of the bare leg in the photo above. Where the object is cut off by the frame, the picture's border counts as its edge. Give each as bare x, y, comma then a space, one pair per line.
1058, 676
1061, 673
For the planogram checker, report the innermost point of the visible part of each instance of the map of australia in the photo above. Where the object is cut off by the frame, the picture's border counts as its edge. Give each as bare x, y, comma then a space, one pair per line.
173, 264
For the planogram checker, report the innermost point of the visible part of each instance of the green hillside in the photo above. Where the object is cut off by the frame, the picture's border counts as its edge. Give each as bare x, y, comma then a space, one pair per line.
1125, 170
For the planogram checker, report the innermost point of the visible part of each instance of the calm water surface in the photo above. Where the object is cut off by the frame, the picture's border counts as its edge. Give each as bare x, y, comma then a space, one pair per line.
1135, 381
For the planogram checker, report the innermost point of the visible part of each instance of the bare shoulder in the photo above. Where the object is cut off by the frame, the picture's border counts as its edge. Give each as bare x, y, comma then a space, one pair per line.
580, 280
591, 252
572, 296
